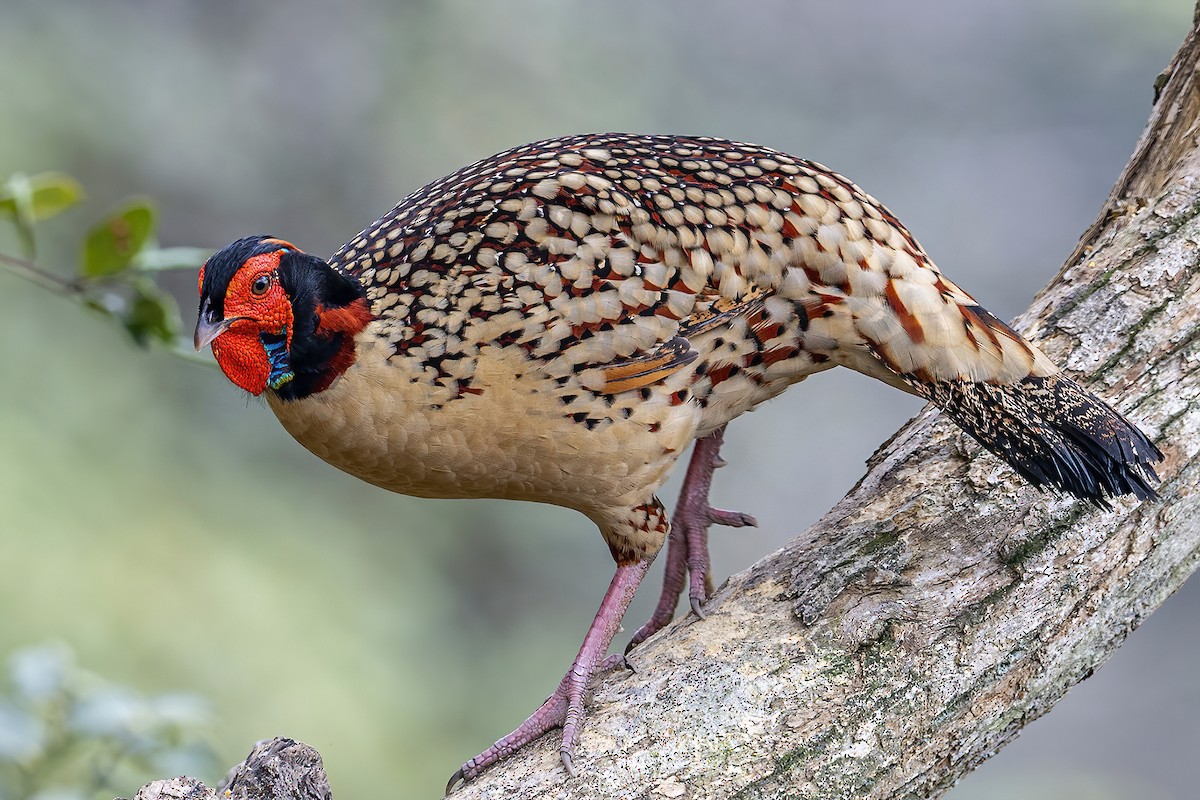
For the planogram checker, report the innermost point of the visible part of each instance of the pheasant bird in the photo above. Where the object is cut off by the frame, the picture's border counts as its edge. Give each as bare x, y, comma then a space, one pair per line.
558, 322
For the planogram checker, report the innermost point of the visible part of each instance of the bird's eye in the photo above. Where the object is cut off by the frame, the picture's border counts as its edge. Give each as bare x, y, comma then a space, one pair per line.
261, 284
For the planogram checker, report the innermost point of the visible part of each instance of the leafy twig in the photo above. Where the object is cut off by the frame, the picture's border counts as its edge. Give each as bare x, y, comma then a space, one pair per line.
30, 271
117, 259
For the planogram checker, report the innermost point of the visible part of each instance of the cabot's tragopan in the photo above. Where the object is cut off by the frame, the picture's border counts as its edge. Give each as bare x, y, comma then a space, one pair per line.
560, 321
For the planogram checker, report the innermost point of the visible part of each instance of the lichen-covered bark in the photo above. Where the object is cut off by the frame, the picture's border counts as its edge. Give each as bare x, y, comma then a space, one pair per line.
942, 604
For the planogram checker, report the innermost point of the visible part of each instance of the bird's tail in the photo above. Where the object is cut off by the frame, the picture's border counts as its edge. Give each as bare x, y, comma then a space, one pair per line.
1052, 431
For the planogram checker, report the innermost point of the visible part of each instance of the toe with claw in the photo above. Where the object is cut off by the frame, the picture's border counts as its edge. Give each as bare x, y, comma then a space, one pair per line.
564, 708
687, 546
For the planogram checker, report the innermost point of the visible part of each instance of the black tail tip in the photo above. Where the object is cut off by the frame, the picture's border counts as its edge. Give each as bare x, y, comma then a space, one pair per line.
1054, 433
1086, 447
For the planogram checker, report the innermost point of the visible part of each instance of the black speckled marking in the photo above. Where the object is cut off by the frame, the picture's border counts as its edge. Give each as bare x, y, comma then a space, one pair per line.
1053, 432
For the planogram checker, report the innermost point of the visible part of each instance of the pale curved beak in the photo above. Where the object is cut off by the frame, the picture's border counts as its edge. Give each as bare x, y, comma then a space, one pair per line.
209, 328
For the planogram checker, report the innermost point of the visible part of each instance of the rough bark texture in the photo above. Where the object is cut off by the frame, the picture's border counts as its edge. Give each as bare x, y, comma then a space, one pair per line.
276, 769
942, 604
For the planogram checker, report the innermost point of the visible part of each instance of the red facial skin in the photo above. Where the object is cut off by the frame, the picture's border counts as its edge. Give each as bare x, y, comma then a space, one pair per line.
239, 351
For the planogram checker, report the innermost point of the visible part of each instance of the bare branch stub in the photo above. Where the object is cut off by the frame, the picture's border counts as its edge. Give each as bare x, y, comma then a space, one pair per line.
278, 769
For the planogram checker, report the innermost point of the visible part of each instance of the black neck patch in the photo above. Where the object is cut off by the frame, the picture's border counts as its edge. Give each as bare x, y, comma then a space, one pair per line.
312, 284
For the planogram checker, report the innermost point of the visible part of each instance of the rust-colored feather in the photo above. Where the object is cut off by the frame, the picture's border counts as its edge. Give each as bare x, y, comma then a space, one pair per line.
649, 368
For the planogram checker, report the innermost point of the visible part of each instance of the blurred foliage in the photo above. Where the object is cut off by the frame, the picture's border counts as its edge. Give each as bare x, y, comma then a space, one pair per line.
115, 259
25, 200
67, 734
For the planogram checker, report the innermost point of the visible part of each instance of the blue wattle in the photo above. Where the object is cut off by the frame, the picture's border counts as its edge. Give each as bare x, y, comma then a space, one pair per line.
277, 356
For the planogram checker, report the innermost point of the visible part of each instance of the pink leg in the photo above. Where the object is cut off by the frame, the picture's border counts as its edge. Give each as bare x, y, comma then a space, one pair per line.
687, 543
564, 708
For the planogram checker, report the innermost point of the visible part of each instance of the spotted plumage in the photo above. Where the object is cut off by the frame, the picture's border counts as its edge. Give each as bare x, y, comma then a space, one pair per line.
560, 321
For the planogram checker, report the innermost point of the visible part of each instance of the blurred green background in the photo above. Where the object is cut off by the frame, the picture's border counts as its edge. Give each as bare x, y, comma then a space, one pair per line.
176, 538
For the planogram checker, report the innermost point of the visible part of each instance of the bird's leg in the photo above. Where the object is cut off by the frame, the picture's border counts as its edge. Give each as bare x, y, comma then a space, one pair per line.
687, 543
564, 708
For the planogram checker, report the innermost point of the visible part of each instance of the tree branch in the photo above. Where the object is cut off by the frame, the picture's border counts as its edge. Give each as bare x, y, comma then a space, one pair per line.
30, 271
942, 604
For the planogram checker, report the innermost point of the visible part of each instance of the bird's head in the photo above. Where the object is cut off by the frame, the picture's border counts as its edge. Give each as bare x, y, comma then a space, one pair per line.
278, 318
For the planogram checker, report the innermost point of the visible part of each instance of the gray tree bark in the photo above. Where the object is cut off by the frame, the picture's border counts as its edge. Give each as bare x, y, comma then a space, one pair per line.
942, 604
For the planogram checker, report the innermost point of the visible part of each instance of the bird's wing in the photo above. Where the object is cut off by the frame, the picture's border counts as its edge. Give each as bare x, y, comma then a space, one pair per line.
598, 250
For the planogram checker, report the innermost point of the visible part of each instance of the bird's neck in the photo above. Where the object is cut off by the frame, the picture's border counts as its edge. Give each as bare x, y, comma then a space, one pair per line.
323, 345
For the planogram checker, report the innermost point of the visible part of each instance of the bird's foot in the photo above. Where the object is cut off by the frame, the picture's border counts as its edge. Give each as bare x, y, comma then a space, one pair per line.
687, 545
698, 563
550, 715
564, 708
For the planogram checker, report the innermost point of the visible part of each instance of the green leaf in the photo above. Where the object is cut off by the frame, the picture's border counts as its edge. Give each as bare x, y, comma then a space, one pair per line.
53, 193
152, 315
16, 195
165, 258
111, 246
39, 197
19, 193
